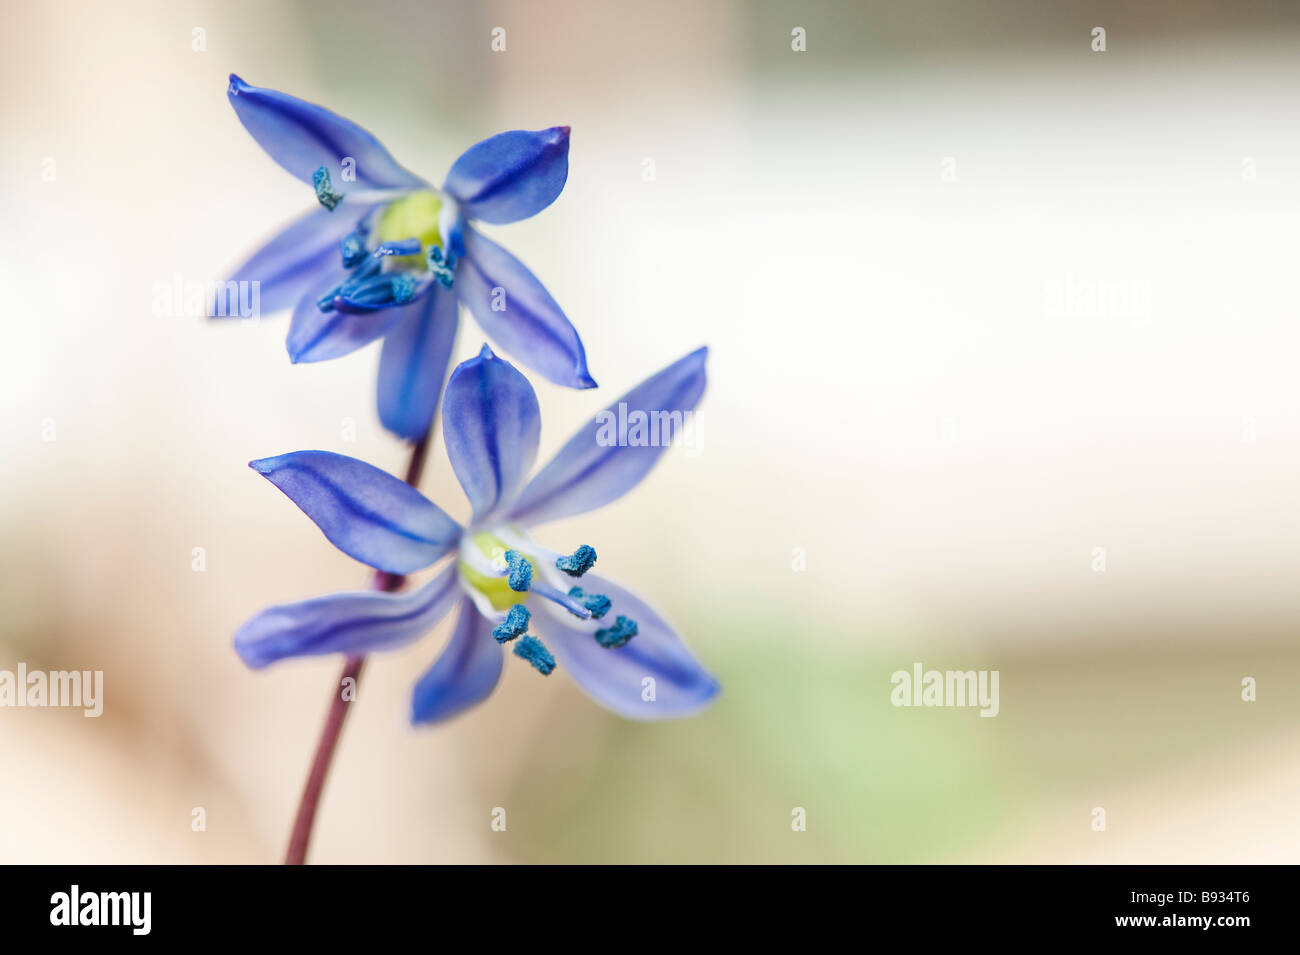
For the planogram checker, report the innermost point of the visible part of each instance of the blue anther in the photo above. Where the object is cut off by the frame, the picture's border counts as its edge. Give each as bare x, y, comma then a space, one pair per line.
521, 571
598, 604
535, 652
516, 623
442, 269
354, 249
326, 194
365, 271
611, 638
403, 289
579, 562
380, 291
368, 287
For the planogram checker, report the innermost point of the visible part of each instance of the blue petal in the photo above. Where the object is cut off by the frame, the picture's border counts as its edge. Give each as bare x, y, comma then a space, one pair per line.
300, 258
525, 321
464, 674
615, 678
491, 423
511, 176
302, 137
365, 512
351, 623
319, 336
413, 364
589, 471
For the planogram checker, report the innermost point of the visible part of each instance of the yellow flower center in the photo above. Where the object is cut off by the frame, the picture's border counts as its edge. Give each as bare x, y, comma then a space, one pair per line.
495, 589
411, 217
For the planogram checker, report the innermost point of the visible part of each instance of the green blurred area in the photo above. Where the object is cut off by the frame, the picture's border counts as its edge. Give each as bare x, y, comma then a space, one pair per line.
879, 783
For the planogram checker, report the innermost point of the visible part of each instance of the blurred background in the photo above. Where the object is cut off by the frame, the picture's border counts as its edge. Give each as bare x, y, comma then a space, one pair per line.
1003, 336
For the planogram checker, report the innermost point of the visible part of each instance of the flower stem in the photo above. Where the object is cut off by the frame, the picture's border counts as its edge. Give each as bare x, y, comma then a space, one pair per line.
300, 836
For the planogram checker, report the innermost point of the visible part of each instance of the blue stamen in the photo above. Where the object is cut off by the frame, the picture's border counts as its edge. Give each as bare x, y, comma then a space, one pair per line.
543, 589
534, 651
367, 268
611, 638
373, 263
368, 287
516, 623
598, 604
326, 194
364, 271
381, 291
400, 247
443, 270
354, 249
579, 562
521, 571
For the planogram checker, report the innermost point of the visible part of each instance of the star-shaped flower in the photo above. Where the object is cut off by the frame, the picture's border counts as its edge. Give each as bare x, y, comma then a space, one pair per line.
505, 587
389, 256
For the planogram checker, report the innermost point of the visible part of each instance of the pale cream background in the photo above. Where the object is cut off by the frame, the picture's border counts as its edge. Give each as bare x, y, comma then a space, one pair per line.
891, 389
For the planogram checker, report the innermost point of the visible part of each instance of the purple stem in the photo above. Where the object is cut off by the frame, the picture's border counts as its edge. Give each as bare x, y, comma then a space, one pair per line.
300, 836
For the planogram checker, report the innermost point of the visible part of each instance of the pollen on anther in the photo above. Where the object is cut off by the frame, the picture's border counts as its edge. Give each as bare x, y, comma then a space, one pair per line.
326, 194
521, 571
598, 604
579, 562
443, 268
353, 249
611, 638
403, 289
534, 651
516, 623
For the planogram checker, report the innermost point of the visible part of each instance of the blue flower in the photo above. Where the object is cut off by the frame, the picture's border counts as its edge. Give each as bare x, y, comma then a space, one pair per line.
506, 587
389, 256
